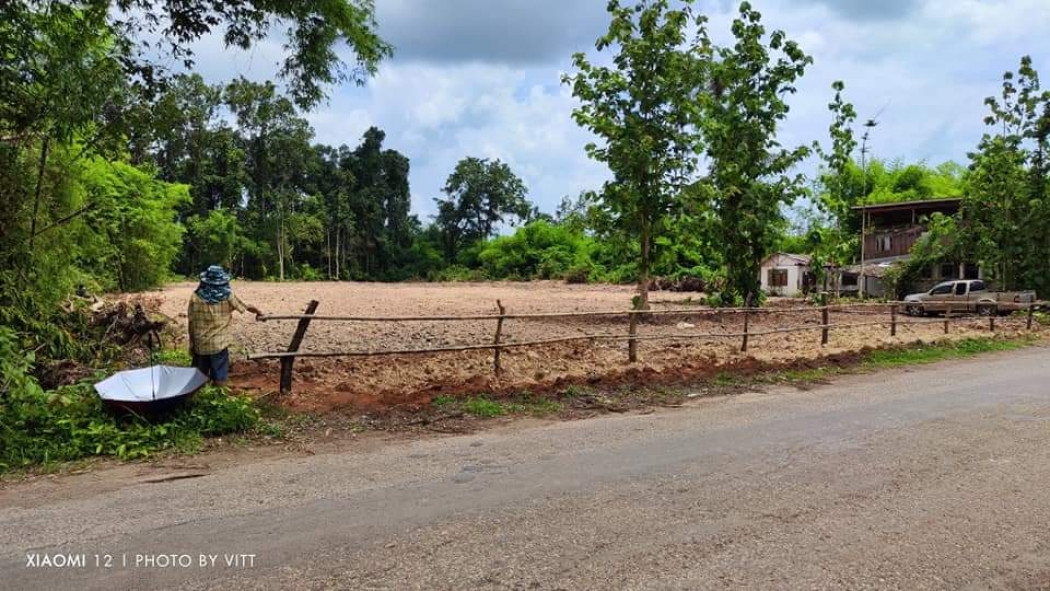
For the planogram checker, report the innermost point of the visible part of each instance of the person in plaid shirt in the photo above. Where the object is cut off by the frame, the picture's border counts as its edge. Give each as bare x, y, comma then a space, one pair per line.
210, 316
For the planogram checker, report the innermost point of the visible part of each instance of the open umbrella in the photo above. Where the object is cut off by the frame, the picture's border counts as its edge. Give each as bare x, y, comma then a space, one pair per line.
151, 390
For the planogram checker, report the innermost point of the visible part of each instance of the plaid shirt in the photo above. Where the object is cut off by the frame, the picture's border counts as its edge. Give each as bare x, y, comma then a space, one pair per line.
210, 324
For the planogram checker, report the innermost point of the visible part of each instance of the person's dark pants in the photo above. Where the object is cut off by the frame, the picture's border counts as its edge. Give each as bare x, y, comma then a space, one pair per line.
216, 366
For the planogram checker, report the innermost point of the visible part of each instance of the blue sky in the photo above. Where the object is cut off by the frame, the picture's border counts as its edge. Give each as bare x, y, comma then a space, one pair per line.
481, 78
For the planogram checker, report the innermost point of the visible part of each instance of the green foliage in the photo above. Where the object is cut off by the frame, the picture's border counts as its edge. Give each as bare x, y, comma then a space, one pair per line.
42, 37
214, 239
129, 238
176, 357
458, 273
539, 250
644, 110
750, 176
480, 196
1007, 204
38, 428
941, 242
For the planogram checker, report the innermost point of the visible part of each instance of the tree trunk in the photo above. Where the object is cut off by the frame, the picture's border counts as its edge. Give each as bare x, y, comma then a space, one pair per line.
643, 268
338, 255
280, 247
39, 184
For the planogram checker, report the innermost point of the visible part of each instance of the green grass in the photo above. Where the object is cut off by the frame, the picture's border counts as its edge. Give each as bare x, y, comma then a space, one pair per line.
888, 358
815, 374
39, 430
726, 379
176, 357
480, 406
443, 401
485, 407
940, 352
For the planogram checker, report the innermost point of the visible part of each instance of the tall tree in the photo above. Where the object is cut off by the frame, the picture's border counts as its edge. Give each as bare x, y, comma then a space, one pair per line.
749, 173
839, 192
1006, 208
277, 144
644, 109
480, 194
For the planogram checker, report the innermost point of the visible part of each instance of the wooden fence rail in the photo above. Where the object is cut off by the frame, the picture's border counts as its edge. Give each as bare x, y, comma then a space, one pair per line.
596, 314
632, 337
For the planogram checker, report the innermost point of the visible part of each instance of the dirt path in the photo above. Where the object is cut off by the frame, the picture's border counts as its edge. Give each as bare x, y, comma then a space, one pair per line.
380, 382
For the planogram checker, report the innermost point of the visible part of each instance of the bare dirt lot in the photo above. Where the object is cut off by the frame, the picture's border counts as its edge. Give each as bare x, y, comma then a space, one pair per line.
368, 383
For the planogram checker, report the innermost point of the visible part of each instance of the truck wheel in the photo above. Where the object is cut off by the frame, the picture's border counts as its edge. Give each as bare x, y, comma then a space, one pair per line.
986, 310
915, 310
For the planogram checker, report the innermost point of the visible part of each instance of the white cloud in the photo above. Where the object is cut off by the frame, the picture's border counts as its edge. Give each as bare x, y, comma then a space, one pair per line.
496, 92
440, 114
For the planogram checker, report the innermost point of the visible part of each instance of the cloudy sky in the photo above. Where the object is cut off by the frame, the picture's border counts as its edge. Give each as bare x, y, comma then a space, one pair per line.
482, 78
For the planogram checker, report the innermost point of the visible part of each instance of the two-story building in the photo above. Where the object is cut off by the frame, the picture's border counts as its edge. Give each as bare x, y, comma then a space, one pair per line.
892, 231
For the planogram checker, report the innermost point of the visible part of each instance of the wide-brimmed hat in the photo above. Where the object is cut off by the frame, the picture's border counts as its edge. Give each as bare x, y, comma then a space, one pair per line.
216, 276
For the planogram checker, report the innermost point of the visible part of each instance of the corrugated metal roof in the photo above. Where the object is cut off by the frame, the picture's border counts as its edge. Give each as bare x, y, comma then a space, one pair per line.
934, 202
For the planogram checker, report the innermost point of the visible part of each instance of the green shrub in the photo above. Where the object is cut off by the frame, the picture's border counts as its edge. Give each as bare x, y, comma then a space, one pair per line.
539, 250
458, 273
41, 428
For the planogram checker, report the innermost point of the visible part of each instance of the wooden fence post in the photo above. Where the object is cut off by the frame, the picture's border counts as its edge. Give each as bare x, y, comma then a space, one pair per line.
991, 323
747, 318
825, 318
632, 344
1031, 313
893, 320
497, 367
947, 317
297, 339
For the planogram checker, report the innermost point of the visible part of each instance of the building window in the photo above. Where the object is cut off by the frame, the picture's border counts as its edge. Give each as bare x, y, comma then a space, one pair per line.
884, 243
778, 278
971, 271
948, 271
849, 280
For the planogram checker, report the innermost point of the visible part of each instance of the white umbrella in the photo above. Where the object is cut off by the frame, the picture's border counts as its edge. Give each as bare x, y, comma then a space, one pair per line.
136, 389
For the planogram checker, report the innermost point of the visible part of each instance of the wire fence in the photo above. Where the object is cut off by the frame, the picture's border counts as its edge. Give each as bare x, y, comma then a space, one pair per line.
889, 311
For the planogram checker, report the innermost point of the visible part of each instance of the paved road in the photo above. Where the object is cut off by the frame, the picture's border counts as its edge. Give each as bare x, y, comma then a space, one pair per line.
931, 478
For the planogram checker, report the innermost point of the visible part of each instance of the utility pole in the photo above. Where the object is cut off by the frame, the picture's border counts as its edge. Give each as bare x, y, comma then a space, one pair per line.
870, 125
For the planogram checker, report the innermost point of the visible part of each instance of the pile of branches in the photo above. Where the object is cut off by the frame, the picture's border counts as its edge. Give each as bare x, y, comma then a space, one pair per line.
127, 326
695, 284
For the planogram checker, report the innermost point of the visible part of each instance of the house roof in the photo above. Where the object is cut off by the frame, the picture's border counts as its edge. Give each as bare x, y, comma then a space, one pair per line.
935, 203
800, 259
877, 267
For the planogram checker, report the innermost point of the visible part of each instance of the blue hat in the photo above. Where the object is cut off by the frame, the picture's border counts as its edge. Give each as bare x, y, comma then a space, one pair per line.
216, 276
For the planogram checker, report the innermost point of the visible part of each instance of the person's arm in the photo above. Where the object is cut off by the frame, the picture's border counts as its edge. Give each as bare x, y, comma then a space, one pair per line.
242, 307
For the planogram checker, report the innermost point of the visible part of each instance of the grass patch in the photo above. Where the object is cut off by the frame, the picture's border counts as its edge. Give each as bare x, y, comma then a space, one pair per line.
481, 406
176, 357
941, 351
443, 401
39, 430
901, 356
726, 379
485, 407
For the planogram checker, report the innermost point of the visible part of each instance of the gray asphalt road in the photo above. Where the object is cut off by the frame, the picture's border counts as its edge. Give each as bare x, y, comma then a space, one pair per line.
929, 478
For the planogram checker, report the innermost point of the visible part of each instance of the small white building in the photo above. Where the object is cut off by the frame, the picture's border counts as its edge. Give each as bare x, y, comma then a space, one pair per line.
785, 274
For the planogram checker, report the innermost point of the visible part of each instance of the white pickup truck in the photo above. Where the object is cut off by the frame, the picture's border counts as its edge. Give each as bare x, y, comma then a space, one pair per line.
967, 296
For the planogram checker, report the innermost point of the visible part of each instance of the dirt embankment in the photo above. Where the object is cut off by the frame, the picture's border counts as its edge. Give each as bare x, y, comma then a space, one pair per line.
372, 383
